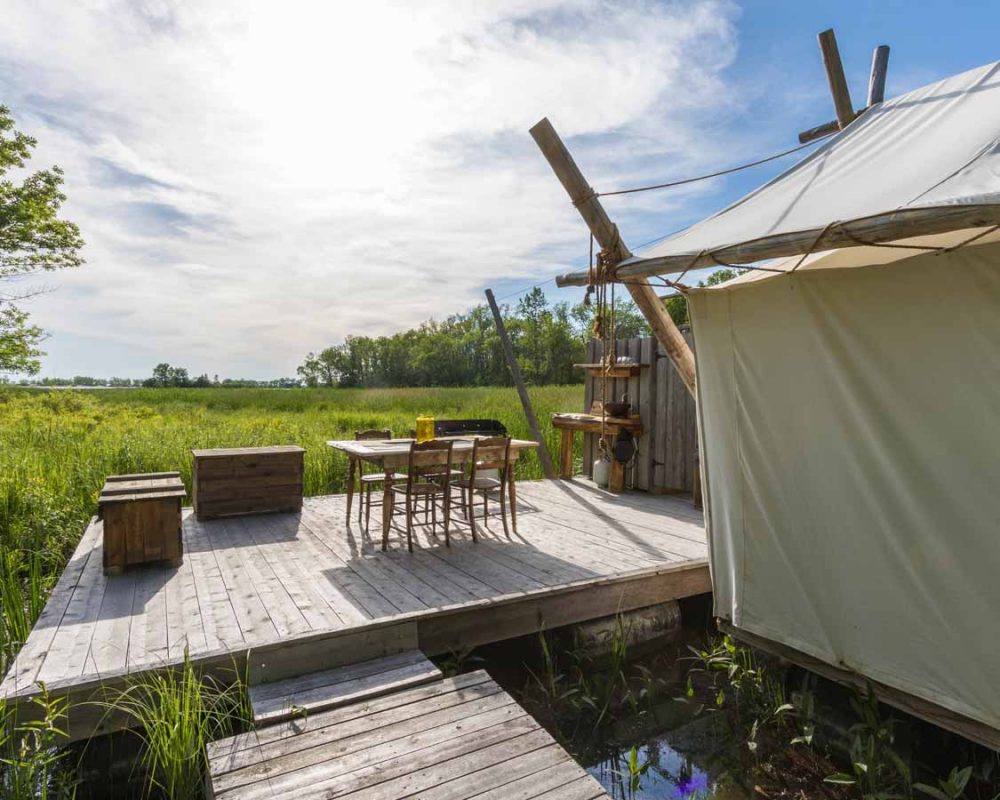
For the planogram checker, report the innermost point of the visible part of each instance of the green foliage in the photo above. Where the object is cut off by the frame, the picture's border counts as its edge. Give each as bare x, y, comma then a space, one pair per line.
31, 767
950, 788
585, 693
465, 349
177, 713
32, 239
19, 341
744, 684
632, 774
877, 770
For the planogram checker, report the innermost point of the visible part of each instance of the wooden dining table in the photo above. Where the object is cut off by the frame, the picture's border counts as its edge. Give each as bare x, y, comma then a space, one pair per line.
390, 454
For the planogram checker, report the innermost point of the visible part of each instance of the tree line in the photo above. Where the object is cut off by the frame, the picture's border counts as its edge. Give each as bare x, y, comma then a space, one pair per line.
465, 349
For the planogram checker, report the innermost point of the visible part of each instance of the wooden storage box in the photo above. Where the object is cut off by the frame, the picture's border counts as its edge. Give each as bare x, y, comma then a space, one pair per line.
142, 520
247, 480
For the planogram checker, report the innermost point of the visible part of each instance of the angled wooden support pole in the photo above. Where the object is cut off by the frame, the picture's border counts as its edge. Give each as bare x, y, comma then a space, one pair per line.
835, 75
508, 350
606, 234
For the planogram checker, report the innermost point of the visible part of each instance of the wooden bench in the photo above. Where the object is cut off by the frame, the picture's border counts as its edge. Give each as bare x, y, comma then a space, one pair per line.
247, 480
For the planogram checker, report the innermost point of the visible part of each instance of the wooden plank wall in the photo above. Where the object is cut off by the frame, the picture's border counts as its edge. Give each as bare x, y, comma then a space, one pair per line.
669, 443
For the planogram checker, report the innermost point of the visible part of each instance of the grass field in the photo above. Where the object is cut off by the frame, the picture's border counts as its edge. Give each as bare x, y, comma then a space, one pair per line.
56, 447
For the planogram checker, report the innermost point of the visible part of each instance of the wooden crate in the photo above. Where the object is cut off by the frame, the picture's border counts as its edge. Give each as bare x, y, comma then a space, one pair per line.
142, 520
247, 480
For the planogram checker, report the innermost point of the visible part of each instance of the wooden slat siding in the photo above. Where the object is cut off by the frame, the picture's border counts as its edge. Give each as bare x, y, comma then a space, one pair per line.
646, 409
635, 390
456, 738
273, 702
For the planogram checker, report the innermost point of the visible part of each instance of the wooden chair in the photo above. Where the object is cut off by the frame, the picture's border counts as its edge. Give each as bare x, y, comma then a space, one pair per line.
426, 459
372, 480
488, 454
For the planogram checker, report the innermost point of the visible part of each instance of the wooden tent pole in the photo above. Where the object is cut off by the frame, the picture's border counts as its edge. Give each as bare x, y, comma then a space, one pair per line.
876, 81
522, 392
835, 75
606, 234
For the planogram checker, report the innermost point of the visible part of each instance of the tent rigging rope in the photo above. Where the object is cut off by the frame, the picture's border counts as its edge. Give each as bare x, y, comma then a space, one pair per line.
683, 181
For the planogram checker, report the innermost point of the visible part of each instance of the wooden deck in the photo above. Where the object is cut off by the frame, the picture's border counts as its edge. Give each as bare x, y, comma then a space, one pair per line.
457, 738
283, 594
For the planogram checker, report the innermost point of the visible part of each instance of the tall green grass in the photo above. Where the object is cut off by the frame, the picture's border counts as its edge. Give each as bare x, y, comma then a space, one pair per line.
177, 713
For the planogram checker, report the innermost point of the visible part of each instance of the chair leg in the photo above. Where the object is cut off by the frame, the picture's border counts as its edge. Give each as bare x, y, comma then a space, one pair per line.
447, 515
432, 499
368, 506
486, 510
470, 510
361, 502
409, 523
503, 509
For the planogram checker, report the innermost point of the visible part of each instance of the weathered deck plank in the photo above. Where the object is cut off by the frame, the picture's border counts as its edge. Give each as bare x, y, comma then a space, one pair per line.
452, 739
307, 694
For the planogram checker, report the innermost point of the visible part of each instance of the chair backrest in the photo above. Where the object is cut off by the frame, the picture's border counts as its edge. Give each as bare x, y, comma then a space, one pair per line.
490, 453
373, 434
433, 456
457, 427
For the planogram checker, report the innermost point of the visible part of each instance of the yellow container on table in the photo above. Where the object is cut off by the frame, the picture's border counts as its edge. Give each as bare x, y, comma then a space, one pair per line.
425, 428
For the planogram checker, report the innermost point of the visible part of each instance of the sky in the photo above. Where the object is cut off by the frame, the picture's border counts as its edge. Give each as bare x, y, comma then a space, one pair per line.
257, 180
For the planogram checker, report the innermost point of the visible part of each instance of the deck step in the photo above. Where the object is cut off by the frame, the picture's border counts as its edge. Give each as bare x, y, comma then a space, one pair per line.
329, 688
453, 738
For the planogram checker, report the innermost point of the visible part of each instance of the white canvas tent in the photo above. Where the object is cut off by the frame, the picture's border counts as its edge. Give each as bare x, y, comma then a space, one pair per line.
850, 410
849, 402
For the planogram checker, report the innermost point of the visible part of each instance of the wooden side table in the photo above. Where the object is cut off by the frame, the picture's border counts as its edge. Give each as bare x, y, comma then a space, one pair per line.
142, 520
570, 424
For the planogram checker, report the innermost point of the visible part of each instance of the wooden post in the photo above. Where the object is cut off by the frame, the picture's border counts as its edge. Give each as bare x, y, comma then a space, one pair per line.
835, 76
522, 392
606, 234
876, 81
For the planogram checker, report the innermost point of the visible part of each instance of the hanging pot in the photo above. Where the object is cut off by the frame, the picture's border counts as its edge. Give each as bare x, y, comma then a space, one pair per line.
624, 447
619, 409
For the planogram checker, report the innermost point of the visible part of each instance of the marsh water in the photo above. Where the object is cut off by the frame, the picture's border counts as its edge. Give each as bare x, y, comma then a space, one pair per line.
643, 733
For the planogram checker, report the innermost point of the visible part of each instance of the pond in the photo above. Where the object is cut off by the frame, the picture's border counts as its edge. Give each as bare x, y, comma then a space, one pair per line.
634, 720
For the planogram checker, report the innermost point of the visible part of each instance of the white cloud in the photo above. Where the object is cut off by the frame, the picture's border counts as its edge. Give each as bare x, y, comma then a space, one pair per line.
256, 180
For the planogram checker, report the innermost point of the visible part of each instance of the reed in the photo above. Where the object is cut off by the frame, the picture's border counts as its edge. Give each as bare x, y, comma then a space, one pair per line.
177, 713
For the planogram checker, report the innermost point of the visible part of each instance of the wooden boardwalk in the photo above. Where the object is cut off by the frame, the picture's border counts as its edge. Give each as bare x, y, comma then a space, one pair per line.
306, 591
457, 738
